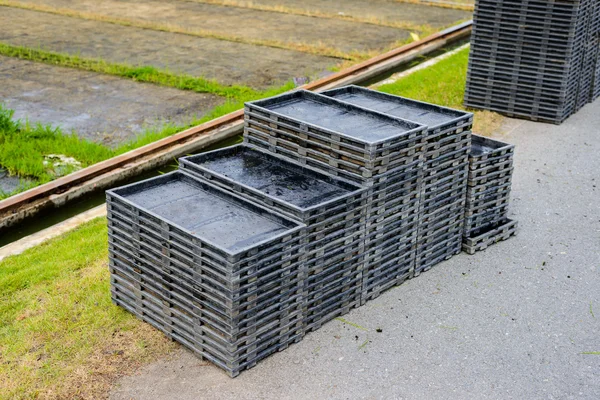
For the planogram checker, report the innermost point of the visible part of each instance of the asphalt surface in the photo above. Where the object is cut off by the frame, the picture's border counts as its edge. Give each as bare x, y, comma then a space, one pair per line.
512, 322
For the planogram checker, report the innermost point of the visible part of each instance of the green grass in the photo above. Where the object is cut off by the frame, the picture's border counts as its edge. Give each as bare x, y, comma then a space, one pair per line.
23, 146
443, 84
137, 73
59, 330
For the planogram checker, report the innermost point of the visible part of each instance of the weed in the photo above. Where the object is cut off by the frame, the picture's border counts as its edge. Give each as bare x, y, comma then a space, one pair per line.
444, 84
351, 324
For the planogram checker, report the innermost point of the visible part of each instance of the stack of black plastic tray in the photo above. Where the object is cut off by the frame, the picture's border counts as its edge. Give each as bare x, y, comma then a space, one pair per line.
488, 194
220, 275
378, 151
331, 200
531, 58
590, 54
332, 210
442, 192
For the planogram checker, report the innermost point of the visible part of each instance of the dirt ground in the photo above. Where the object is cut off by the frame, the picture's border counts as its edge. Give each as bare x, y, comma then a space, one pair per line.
247, 23
8, 184
101, 108
386, 10
227, 62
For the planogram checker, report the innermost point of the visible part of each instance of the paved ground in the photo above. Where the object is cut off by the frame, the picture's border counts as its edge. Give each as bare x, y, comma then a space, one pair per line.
101, 108
512, 322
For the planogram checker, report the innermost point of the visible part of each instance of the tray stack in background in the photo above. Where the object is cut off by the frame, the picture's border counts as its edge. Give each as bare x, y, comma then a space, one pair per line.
596, 28
488, 193
331, 209
590, 53
375, 150
533, 59
220, 275
442, 192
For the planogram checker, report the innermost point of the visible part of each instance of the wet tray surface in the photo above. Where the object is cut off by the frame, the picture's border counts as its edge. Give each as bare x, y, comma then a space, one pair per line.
206, 212
345, 119
276, 178
412, 110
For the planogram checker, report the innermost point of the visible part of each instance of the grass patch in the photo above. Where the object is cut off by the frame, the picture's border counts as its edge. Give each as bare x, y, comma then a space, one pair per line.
60, 335
316, 49
444, 84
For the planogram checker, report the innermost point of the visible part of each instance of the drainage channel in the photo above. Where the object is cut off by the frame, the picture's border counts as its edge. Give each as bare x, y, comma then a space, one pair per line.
57, 215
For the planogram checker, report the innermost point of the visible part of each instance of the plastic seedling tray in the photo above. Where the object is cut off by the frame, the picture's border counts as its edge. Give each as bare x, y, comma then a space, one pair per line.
337, 121
209, 216
483, 148
436, 118
494, 234
273, 182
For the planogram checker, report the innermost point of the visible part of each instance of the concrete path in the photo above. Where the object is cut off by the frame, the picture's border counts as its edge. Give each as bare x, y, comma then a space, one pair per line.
513, 322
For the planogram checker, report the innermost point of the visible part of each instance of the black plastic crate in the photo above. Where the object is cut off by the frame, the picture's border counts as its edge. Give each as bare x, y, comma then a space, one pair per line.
492, 234
334, 133
288, 188
532, 59
230, 267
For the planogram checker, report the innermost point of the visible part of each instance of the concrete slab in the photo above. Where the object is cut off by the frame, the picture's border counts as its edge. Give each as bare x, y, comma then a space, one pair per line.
242, 22
520, 320
227, 62
101, 108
